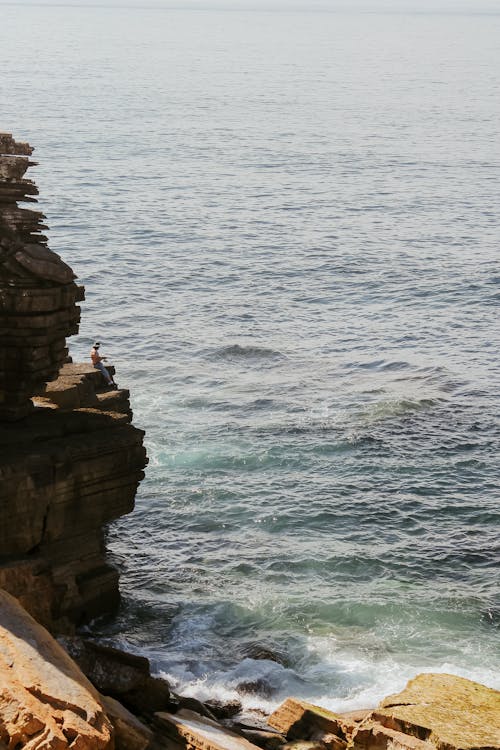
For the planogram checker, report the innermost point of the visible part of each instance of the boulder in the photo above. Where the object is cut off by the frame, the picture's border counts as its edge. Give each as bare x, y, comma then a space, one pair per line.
448, 712
305, 721
224, 710
121, 675
46, 703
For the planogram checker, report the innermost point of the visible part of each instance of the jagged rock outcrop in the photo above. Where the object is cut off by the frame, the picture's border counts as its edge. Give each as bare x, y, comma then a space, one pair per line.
70, 461
433, 712
121, 675
38, 294
45, 701
445, 711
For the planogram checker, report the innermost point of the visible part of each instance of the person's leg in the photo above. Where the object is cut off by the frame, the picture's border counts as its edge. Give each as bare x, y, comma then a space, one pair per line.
99, 366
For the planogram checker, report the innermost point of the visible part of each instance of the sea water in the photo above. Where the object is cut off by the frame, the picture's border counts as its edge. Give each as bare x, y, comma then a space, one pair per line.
287, 226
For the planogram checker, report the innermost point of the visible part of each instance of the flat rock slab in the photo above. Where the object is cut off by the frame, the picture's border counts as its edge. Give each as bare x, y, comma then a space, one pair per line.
449, 712
190, 730
46, 703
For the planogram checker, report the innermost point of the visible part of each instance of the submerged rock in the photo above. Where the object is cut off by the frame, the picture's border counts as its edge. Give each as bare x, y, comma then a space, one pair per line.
261, 651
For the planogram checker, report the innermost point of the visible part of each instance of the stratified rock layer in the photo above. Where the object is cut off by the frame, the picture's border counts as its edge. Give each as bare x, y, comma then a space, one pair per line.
70, 462
37, 291
63, 476
45, 701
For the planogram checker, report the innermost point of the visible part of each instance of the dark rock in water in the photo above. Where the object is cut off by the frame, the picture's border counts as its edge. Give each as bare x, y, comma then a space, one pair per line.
224, 710
261, 651
121, 675
193, 704
256, 687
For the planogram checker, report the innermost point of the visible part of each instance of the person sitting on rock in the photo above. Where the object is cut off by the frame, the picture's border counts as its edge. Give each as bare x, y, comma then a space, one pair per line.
97, 361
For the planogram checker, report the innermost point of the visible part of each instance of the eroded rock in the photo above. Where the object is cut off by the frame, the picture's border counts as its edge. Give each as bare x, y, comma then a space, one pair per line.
46, 703
305, 721
449, 712
38, 295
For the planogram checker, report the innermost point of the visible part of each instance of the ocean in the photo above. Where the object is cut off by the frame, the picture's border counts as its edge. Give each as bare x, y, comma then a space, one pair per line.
287, 224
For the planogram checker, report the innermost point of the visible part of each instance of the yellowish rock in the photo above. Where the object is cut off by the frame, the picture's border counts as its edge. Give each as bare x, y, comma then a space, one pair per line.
449, 712
300, 720
46, 703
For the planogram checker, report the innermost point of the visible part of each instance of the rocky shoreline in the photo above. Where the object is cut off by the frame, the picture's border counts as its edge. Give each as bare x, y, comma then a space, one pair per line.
70, 462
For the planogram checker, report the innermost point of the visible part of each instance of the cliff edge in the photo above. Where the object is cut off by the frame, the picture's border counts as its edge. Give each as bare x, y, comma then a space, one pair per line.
70, 461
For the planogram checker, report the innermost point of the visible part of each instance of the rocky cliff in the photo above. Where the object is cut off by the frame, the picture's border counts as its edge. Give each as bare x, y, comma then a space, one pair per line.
70, 461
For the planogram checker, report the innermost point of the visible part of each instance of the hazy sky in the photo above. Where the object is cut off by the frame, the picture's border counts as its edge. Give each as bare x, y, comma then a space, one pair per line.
480, 6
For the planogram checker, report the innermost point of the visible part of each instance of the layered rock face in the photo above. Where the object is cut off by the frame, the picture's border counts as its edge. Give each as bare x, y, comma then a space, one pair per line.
37, 290
70, 461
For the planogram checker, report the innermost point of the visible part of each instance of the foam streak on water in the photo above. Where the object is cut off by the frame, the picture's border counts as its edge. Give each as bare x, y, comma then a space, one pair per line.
287, 225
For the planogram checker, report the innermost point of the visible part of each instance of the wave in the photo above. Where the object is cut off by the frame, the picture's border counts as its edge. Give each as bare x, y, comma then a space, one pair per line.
247, 352
332, 676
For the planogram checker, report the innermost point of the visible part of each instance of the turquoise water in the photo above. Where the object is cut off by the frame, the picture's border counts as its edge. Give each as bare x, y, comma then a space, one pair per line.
287, 225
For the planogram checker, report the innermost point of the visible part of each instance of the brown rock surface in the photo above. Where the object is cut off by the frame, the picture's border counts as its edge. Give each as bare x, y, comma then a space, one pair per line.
121, 675
373, 736
38, 295
45, 701
445, 711
63, 476
70, 462
130, 733
300, 720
